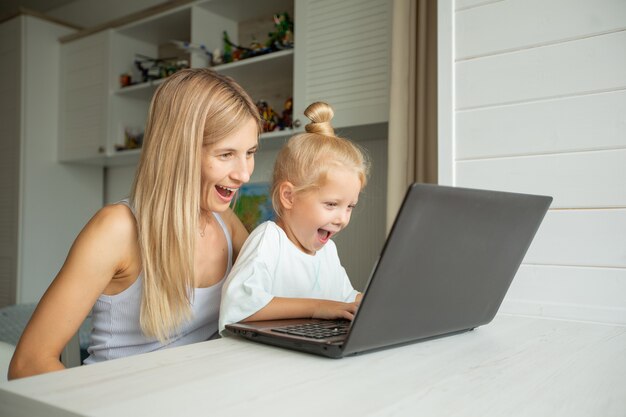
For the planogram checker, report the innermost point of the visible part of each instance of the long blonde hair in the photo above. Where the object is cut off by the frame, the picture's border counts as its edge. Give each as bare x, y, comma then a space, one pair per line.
192, 108
307, 157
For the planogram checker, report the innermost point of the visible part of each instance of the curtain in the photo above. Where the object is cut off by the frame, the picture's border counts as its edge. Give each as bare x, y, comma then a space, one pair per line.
412, 143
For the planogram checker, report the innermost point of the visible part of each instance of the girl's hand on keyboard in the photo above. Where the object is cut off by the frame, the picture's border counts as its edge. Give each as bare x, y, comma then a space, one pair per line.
326, 309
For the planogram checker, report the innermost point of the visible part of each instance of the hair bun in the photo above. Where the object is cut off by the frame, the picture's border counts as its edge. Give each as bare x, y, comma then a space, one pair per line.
320, 114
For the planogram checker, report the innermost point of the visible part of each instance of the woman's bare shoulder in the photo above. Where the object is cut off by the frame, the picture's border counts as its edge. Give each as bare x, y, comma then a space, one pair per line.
233, 222
115, 221
237, 230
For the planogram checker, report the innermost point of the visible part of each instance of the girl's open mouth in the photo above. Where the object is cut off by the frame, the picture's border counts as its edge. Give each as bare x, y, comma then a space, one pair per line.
323, 235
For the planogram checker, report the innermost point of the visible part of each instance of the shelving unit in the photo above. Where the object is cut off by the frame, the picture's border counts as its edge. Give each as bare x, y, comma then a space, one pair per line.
344, 61
267, 77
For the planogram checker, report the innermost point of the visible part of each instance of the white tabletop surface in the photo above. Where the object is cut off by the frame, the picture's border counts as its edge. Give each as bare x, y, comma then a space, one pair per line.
514, 366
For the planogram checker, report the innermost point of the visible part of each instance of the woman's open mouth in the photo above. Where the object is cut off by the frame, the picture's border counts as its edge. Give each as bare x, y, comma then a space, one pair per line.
225, 192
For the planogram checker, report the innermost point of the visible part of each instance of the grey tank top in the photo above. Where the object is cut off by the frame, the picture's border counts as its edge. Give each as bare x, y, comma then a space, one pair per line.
116, 331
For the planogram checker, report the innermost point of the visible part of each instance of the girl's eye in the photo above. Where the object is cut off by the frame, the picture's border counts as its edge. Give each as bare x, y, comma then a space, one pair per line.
251, 152
330, 204
351, 206
225, 155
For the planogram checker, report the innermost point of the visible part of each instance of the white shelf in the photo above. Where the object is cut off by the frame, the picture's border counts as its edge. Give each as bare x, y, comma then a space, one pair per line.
279, 64
143, 91
279, 55
125, 157
264, 75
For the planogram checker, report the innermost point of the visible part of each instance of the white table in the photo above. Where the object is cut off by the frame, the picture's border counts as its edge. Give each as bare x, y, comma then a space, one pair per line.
515, 366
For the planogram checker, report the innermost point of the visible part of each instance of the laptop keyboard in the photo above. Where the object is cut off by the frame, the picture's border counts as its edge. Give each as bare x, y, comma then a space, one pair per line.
317, 330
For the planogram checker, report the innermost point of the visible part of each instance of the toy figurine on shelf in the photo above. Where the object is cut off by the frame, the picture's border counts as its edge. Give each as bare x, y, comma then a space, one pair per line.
238, 52
227, 54
217, 57
257, 48
133, 139
282, 38
286, 121
269, 117
156, 68
125, 80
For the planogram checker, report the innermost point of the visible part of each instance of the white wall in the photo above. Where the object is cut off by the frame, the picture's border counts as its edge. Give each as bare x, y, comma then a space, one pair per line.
538, 105
10, 111
43, 204
57, 199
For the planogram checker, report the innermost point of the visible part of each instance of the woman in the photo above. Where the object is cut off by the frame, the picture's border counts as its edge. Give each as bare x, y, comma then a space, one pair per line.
151, 268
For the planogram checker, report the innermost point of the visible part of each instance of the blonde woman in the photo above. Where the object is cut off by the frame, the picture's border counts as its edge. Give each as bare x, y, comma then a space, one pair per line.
290, 268
151, 268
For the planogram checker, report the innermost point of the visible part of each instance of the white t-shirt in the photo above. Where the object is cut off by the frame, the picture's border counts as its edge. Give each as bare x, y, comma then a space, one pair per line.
270, 265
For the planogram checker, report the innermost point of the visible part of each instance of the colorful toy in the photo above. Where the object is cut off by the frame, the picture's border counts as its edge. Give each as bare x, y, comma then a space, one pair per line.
269, 117
286, 121
156, 68
282, 38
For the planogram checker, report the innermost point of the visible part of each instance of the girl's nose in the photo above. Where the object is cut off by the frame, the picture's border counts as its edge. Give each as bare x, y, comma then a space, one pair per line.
343, 218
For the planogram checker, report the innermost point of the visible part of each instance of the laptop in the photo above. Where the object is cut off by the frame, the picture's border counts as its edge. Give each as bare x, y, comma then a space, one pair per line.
445, 268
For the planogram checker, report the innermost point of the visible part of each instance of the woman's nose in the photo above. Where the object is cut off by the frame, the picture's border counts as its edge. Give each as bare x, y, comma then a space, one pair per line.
243, 170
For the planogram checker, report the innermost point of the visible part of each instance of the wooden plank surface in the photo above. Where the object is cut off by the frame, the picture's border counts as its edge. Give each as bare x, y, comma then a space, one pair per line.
569, 292
518, 29
574, 124
581, 238
515, 366
575, 180
583, 66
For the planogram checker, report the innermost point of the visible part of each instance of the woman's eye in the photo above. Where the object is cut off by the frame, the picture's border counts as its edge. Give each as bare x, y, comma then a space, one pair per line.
252, 152
225, 155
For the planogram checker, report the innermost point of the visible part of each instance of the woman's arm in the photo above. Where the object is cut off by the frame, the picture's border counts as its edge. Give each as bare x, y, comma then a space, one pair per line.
292, 308
238, 231
98, 254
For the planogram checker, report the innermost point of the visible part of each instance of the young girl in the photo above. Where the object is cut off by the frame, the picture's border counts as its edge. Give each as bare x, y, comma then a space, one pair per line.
290, 269
152, 267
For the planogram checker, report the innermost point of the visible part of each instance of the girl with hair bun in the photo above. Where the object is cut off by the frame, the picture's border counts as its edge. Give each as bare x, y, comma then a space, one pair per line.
290, 268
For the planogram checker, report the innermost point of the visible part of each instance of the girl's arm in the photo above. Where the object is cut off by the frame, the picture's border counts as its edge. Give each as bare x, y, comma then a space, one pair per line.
292, 308
100, 252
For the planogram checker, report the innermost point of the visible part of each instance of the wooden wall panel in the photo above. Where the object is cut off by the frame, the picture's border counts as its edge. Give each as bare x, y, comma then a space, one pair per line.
575, 180
580, 123
581, 238
592, 294
540, 99
583, 66
517, 29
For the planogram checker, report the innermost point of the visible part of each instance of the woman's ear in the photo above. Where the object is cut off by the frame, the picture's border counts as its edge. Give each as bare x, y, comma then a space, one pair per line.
286, 194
